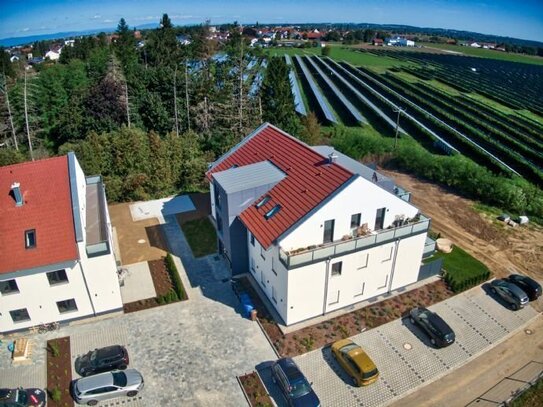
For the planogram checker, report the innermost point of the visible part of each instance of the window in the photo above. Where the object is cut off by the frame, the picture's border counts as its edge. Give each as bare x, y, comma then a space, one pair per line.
362, 291
19, 315
264, 201
217, 195
252, 239
219, 221
363, 260
262, 279
273, 295
388, 253
328, 231
273, 267
384, 285
30, 239
66, 306
336, 300
262, 253
8, 287
380, 218
252, 265
336, 268
57, 277
355, 220
272, 212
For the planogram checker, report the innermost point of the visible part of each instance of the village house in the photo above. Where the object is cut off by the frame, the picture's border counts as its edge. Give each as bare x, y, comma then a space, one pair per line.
317, 230
56, 252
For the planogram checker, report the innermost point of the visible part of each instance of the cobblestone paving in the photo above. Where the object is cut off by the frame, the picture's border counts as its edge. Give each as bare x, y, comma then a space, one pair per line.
477, 319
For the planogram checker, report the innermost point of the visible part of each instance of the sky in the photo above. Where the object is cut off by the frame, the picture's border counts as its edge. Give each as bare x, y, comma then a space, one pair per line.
20, 18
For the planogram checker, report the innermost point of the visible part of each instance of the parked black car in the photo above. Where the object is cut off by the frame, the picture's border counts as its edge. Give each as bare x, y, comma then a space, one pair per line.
102, 360
293, 384
436, 328
22, 397
531, 287
510, 293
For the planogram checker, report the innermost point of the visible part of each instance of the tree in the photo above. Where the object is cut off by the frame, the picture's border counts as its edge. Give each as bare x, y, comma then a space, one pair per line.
311, 130
125, 46
277, 100
162, 46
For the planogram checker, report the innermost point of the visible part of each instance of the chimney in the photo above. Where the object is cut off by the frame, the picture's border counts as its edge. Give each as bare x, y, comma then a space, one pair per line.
332, 157
16, 191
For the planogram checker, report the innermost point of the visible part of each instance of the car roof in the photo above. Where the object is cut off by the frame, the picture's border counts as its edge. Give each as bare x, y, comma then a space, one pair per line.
290, 368
95, 381
362, 359
439, 323
525, 279
110, 351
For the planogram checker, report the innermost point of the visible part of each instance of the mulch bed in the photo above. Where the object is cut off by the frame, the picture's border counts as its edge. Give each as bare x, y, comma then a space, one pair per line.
349, 324
59, 371
255, 390
161, 281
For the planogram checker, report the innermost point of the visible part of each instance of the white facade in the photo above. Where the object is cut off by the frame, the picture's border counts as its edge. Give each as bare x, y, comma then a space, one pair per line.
389, 261
52, 55
85, 287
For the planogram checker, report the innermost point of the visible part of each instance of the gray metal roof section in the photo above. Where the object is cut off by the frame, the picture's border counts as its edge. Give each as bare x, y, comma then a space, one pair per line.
249, 176
76, 208
358, 168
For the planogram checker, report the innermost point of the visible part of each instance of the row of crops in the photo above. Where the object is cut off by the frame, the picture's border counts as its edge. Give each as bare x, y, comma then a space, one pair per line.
455, 124
516, 85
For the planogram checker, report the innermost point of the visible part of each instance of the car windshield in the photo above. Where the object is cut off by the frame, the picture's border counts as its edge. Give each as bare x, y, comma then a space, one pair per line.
370, 374
22, 397
119, 379
347, 348
299, 388
93, 356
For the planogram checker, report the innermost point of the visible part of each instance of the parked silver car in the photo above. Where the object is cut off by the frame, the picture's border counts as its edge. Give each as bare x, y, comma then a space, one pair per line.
104, 386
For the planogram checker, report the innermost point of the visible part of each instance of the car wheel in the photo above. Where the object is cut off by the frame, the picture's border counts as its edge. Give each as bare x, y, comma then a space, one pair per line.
354, 381
122, 367
433, 341
132, 393
92, 403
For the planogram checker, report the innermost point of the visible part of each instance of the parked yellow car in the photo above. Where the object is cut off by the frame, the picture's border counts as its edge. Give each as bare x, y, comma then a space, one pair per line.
355, 361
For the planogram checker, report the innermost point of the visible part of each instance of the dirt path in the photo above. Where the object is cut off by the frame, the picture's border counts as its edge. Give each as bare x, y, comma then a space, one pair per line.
502, 248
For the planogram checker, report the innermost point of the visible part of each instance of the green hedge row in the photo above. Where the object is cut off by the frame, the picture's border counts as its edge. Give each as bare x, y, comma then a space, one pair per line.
463, 282
176, 280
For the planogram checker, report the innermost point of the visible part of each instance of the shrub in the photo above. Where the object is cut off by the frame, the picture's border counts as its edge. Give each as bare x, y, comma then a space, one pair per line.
176, 280
56, 394
54, 348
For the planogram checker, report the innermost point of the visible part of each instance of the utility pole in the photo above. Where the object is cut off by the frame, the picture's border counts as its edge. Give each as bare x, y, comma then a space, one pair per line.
127, 106
187, 92
260, 108
206, 118
175, 101
398, 110
27, 125
5, 87
241, 87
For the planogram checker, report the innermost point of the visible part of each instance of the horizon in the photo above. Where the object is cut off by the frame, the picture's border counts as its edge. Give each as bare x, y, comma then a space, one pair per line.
34, 17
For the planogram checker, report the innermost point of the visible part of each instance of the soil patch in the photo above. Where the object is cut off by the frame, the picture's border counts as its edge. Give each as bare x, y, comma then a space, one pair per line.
138, 241
349, 324
163, 285
255, 390
59, 372
501, 248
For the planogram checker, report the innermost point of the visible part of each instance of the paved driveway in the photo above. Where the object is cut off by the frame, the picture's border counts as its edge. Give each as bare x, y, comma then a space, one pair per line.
478, 321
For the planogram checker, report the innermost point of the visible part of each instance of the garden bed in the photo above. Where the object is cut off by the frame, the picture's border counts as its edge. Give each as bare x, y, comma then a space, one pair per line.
59, 372
349, 324
255, 391
163, 284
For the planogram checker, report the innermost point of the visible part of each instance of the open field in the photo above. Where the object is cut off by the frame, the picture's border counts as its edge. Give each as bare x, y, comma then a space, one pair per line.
485, 53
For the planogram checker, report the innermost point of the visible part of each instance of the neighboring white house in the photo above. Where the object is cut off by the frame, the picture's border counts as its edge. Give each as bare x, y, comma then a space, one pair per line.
400, 42
54, 53
316, 229
56, 256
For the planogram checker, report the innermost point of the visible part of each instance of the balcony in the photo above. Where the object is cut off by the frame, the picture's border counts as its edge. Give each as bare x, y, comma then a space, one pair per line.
97, 231
315, 254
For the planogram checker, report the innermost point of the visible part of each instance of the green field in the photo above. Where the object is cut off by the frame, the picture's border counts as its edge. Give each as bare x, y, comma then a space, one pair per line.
487, 53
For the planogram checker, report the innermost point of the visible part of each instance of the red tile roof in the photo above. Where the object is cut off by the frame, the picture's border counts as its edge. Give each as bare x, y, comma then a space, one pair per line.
47, 208
310, 179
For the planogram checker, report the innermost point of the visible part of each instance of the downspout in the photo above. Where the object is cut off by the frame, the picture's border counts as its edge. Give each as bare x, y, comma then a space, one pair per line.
87, 288
326, 285
397, 245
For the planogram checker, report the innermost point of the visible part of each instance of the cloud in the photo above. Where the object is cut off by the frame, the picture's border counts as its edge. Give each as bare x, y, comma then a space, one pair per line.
107, 20
26, 29
182, 17
146, 18
96, 17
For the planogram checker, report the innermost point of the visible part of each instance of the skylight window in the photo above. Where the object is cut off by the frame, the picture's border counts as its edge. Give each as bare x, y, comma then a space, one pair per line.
272, 211
263, 202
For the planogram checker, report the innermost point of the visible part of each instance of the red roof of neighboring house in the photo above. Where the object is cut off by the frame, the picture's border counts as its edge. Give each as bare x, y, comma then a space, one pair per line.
310, 179
314, 36
47, 208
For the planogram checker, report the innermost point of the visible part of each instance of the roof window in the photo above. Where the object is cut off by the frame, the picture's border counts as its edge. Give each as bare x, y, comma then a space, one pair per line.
30, 239
272, 211
263, 202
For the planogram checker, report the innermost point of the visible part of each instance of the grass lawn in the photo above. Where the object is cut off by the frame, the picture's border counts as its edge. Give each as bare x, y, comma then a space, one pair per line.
531, 397
488, 53
201, 236
504, 109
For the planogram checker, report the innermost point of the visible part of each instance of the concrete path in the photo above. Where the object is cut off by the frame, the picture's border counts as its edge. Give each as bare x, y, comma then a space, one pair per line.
138, 283
159, 208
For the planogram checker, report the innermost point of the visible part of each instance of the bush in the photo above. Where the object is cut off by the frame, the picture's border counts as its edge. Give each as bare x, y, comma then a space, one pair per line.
176, 280
56, 394
463, 271
54, 348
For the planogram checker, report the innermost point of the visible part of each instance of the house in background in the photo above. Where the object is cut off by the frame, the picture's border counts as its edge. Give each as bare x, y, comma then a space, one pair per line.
377, 42
54, 53
56, 257
317, 230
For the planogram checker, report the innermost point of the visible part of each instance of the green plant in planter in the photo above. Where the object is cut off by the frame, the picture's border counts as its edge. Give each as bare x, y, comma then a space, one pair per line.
56, 394
54, 348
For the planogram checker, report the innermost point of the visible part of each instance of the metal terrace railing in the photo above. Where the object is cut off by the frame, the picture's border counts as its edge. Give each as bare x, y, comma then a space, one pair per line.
316, 254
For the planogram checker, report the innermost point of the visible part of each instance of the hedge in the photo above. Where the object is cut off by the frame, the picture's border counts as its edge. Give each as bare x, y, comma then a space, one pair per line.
174, 275
462, 271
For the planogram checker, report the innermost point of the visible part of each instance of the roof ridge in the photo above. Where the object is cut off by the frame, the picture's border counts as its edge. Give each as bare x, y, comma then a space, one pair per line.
41, 160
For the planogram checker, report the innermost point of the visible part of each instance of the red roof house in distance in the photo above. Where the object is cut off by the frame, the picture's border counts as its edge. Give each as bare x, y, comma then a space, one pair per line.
293, 216
56, 261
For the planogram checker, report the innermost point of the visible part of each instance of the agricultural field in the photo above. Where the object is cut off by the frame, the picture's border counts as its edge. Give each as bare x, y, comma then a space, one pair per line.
487, 110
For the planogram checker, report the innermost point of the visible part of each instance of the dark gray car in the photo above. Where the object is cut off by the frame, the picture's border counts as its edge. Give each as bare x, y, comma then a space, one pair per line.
440, 333
104, 386
510, 293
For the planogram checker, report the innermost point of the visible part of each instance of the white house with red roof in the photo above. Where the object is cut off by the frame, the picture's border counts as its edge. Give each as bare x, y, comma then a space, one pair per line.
56, 256
316, 229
